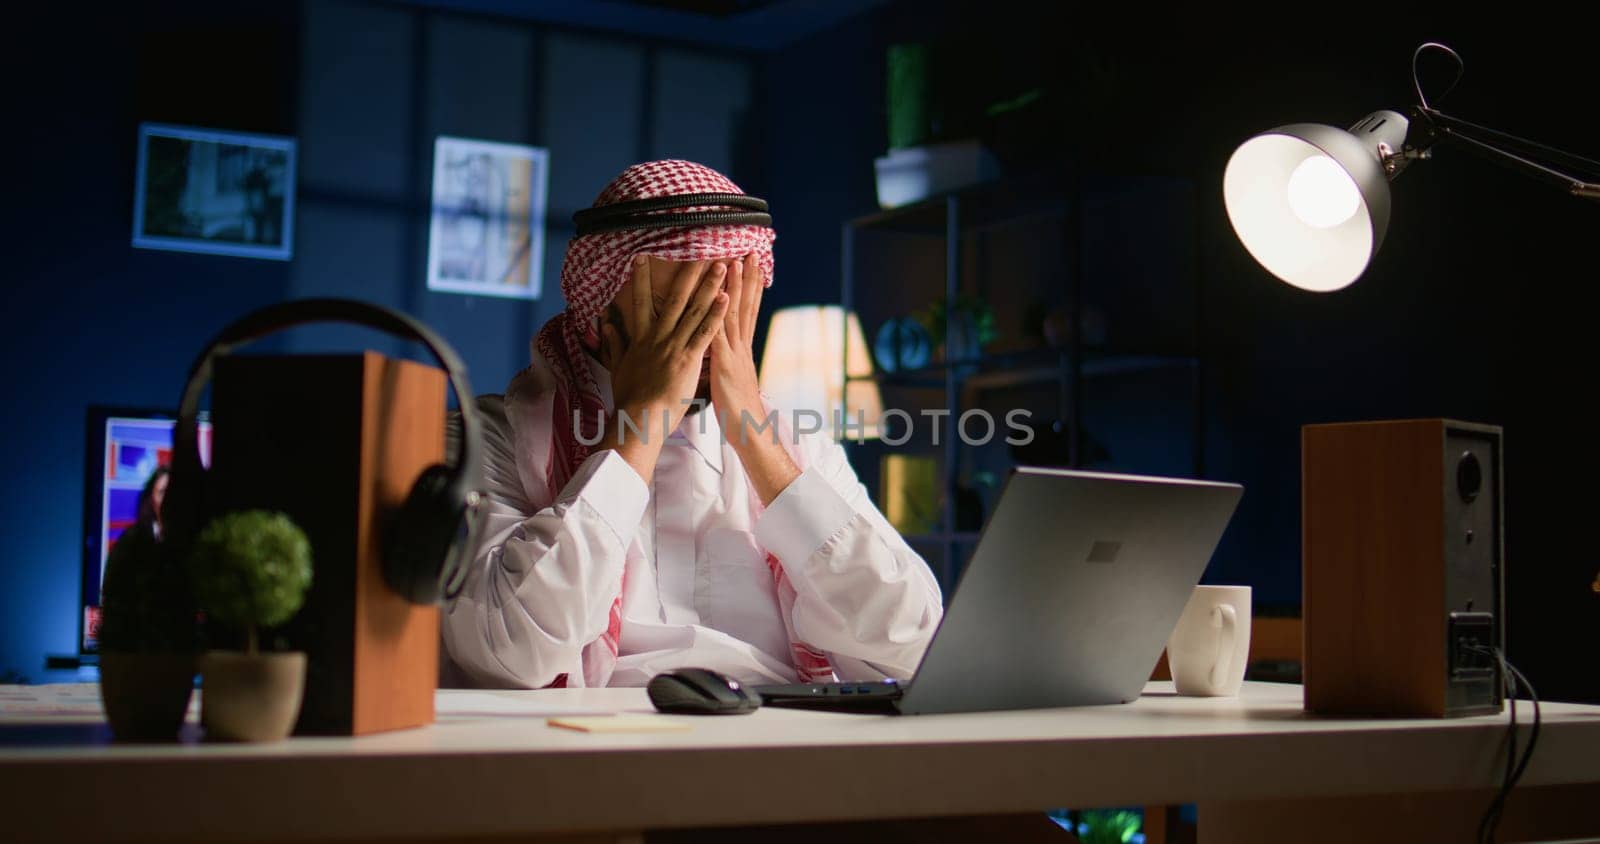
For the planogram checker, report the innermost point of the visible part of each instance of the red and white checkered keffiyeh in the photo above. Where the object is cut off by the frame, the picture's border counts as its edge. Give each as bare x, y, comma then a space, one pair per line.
596, 267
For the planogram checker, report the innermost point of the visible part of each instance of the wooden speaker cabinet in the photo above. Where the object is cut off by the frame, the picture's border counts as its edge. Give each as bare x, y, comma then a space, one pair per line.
336, 442
1403, 575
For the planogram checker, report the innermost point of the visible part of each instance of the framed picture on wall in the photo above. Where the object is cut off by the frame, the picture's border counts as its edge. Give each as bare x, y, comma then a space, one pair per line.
486, 235
216, 192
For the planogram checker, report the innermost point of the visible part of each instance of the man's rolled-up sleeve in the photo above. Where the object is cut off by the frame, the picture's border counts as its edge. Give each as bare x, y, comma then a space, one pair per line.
541, 586
861, 591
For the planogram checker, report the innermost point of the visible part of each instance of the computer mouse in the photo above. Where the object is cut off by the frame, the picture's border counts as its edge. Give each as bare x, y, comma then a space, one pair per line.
700, 691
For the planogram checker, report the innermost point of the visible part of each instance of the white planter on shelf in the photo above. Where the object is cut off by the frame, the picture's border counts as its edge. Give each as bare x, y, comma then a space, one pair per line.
916, 173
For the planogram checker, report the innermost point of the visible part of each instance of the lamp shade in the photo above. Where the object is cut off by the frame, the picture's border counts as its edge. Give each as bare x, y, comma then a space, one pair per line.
810, 350
1311, 202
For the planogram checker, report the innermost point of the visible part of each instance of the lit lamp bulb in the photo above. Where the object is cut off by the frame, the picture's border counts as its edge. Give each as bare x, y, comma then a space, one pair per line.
1322, 194
1311, 202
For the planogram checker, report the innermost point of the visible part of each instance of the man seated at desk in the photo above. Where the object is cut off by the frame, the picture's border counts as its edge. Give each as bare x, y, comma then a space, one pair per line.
612, 554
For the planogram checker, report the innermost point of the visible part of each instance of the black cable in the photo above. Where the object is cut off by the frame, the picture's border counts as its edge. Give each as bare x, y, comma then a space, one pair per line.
1515, 766
1461, 68
1491, 816
1533, 734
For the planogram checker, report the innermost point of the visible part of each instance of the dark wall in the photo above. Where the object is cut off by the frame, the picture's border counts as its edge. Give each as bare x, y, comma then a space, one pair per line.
1478, 307
364, 88
89, 319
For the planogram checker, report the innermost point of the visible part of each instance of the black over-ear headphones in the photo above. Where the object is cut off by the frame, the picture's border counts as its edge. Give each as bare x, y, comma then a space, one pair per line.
430, 540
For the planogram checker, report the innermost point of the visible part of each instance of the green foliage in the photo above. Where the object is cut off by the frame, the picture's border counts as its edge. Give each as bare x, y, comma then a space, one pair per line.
1020, 101
145, 601
908, 95
1109, 827
973, 310
251, 569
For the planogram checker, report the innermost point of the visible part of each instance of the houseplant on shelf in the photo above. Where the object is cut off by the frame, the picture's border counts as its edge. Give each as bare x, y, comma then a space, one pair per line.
146, 639
251, 570
928, 152
971, 327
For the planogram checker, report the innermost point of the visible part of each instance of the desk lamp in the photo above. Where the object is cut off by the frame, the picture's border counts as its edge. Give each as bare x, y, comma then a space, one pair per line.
816, 360
1311, 202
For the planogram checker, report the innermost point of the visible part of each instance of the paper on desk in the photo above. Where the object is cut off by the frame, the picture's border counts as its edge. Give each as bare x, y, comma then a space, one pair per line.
626, 723
488, 704
54, 699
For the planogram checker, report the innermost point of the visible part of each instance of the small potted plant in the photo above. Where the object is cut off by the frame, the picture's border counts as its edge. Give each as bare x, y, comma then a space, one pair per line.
1109, 826
250, 571
930, 150
971, 325
146, 639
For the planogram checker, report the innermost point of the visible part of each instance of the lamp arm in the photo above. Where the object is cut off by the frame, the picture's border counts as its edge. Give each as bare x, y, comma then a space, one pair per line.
1437, 125
1574, 186
1566, 159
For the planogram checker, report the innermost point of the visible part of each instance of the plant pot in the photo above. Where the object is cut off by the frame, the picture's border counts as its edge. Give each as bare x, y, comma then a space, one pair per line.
912, 174
145, 695
251, 697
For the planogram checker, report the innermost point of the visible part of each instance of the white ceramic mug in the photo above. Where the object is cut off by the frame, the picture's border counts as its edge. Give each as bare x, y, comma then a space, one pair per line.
1209, 649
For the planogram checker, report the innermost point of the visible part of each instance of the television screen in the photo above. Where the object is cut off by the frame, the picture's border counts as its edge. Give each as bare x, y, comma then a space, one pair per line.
125, 448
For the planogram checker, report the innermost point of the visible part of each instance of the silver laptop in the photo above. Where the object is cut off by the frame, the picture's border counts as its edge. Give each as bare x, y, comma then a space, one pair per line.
1077, 581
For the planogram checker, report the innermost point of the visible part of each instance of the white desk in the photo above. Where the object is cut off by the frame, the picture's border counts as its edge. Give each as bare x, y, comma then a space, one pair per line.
496, 775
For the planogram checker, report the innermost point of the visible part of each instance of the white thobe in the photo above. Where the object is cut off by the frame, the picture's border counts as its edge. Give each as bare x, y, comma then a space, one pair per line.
694, 541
